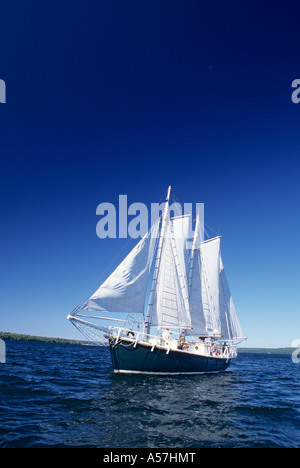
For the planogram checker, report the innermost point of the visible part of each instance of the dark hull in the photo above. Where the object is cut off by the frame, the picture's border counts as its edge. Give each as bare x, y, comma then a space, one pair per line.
142, 359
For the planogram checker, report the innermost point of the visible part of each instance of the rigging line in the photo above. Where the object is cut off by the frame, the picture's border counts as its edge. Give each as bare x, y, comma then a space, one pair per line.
204, 224
186, 210
212, 229
181, 203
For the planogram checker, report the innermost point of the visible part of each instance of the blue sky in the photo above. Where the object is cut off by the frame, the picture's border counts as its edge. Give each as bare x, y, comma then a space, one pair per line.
126, 97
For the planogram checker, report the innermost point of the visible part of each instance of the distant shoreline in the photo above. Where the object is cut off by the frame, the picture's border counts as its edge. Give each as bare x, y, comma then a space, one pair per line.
266, 350
17, 337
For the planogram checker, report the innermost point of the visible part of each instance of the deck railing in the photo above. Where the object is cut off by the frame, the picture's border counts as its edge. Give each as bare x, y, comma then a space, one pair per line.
215, 348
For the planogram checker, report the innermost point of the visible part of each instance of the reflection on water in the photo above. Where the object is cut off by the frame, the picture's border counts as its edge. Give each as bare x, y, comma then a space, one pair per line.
170, 411
237, 408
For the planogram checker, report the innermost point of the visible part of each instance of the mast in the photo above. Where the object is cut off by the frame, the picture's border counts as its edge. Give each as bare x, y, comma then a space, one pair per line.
157, 262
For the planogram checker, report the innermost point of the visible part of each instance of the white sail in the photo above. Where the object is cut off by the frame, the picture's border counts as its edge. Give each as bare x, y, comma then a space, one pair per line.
180, 228
169, 306
222, 317
198, 305
210, 256
230, 326
125, 289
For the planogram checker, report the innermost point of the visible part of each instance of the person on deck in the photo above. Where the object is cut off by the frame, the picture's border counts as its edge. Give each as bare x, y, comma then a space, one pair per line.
182, 344
167, 334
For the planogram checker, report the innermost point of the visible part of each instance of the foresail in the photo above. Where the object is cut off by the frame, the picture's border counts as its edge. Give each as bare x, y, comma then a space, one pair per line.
125, 289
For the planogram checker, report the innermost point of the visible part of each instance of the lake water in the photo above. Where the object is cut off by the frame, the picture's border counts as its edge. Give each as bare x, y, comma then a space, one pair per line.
60, 395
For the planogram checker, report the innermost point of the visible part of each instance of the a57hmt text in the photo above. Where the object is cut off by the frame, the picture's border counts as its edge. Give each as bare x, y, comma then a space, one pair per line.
150, 457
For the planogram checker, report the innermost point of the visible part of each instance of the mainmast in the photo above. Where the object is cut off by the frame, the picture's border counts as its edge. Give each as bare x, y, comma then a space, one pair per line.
157, 261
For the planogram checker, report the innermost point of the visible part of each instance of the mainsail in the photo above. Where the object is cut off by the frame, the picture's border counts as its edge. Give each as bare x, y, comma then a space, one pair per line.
210, 256
211, 304
171, 307
199, 310
230, 327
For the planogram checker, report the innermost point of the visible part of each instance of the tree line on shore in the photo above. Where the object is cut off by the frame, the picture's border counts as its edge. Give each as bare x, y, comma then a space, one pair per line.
18, 336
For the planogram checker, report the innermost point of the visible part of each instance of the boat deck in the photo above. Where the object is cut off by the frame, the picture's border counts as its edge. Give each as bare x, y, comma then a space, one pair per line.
194, 348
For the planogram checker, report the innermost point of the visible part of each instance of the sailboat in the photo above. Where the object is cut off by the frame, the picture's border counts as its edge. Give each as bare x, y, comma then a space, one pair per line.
180, 316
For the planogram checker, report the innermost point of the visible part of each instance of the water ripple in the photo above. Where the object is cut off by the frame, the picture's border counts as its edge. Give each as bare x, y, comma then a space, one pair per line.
57, 395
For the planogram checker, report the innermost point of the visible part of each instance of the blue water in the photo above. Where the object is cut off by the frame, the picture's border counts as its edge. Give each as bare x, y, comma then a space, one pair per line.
60, 395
